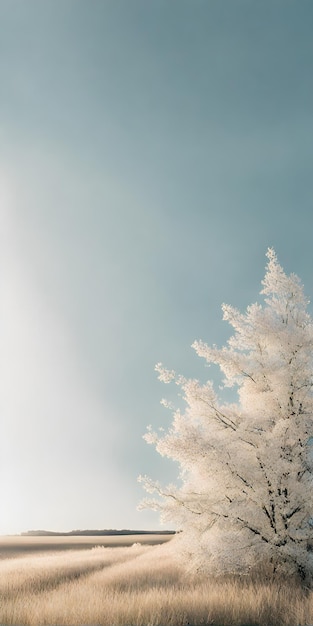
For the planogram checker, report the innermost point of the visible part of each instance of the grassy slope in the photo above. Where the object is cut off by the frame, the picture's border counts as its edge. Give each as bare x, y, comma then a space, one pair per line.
22, 545
135, 585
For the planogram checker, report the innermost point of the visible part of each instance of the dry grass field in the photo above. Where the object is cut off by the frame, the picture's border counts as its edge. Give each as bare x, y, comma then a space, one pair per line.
76, 580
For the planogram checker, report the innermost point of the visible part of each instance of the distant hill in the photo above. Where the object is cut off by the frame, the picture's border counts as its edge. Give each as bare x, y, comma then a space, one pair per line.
91, 533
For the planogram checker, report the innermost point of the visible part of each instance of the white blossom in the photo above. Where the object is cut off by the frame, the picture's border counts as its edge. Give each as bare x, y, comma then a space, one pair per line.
246, 468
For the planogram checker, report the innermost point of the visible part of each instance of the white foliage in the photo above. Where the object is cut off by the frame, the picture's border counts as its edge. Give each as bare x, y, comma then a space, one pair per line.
246, 468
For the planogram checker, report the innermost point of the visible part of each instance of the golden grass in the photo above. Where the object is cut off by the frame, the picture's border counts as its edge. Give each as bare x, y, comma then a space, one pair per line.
11, 546
137, 585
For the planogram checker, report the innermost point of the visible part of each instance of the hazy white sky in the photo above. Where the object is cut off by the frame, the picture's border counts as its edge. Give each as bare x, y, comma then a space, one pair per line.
150, 152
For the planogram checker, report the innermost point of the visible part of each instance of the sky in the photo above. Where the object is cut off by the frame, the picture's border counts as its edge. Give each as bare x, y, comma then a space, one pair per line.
150, 153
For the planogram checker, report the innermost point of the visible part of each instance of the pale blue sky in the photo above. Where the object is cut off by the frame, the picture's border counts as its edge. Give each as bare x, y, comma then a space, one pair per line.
150, 152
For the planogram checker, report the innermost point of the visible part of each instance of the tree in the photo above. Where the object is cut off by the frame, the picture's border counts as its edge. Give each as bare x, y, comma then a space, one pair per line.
246, 468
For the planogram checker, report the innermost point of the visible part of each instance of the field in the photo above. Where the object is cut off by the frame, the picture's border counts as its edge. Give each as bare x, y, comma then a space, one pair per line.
130, 581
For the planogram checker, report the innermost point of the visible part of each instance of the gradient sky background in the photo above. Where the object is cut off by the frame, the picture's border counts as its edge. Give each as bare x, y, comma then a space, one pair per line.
150, 152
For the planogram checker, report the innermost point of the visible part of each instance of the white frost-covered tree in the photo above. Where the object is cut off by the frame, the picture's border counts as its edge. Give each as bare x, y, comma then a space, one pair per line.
246, 468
